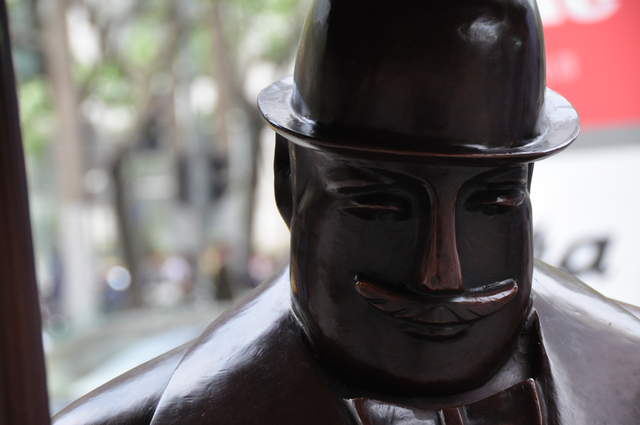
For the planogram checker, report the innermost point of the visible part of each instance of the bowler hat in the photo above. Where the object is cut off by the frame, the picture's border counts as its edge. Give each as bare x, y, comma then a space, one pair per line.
461, 79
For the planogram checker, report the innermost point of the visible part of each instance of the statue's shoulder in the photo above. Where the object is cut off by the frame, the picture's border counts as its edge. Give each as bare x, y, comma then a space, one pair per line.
252, 365
129, 399
590, 349
558, 291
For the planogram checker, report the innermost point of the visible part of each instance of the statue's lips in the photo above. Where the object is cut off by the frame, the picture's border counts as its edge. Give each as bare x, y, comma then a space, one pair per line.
437, 315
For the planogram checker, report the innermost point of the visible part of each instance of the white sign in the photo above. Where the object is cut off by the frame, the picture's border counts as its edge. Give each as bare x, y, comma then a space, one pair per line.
586, 207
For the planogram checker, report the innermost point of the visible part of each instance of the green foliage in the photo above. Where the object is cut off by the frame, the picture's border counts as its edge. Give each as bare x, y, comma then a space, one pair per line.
109, 83
200, 48
275, 6
36, 116
265, 30
143, 42
256, 30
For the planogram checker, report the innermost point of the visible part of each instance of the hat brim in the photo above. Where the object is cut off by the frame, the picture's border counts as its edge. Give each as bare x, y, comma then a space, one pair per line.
559, 126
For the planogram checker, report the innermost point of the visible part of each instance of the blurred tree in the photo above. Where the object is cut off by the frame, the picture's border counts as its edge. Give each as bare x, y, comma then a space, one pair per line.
239, 126
180, 76
79, 294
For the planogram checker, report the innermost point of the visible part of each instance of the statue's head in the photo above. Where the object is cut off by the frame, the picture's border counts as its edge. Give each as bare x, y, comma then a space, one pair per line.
403, 163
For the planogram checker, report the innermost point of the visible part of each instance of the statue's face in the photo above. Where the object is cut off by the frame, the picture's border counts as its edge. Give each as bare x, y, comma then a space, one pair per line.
409, 276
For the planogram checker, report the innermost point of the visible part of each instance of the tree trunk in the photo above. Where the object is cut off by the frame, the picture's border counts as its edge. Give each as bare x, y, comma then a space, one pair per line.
131, 239
238, 129
80, 293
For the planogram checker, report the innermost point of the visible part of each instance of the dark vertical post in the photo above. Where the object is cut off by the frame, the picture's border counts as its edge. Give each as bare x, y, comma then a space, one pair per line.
23, 393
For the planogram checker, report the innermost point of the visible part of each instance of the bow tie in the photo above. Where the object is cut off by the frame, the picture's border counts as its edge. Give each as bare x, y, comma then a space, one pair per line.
517, 405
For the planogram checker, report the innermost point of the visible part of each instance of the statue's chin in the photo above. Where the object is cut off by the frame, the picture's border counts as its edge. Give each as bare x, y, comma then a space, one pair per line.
401, 372
408, 378
434, 386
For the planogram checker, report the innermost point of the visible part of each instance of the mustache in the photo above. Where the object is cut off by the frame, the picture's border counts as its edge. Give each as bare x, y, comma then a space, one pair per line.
469, 306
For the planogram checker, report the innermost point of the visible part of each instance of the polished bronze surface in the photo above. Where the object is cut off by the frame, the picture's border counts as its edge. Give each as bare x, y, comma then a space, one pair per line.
410, 240
416, 70
461, 82
402, 168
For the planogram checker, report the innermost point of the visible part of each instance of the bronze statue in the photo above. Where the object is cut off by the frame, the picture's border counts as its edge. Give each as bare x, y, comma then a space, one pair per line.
404, 154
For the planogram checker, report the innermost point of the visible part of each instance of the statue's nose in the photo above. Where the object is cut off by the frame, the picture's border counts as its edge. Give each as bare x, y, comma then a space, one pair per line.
440, 267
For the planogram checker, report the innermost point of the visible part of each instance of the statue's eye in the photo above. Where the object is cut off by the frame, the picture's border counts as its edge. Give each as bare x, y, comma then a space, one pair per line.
496, 201
378, 206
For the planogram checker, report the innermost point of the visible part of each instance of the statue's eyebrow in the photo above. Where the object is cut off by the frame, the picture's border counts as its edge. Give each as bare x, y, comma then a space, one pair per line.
349, 180
355, 187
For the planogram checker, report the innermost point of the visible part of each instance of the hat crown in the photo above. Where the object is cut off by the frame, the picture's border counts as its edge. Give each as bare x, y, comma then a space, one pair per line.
457, 73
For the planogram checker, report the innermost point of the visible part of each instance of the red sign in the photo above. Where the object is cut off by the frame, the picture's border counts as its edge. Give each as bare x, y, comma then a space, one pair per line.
593, 57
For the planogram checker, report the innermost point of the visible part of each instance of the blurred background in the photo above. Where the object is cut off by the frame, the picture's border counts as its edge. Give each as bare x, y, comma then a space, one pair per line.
150, 169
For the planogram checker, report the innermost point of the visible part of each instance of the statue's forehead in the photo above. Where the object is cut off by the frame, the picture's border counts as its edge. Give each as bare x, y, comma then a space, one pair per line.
337, 170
